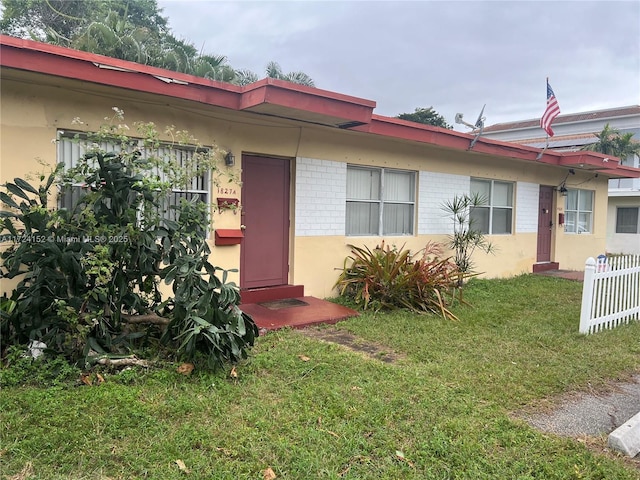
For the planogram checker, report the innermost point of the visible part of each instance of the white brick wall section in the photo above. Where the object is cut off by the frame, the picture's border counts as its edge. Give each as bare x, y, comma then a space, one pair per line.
526, 208
435, 189
321, 197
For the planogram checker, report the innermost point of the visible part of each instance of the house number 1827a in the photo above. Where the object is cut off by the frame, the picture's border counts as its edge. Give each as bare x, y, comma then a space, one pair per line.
226, 191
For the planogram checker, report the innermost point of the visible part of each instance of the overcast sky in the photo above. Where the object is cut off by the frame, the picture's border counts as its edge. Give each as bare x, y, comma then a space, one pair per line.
452, 55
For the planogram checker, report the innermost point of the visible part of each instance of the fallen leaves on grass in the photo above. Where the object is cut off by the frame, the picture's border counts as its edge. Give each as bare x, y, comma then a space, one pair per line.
233, 373
182, 466
225, 451
400, 456
304, 358
88, 379
268, 474
26, 472
185, 369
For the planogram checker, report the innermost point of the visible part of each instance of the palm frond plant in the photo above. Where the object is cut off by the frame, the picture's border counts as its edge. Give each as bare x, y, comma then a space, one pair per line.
467, 237
386, 278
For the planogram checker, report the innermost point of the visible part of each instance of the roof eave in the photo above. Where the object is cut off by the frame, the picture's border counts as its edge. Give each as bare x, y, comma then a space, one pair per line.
279, 99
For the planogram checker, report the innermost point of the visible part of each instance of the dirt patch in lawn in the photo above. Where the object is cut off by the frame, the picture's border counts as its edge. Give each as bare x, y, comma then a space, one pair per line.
351, 342
589, 416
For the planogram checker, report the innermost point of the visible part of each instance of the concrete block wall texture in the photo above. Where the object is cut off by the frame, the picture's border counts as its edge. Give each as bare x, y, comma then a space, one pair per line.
434, 190
321, 194
321, 200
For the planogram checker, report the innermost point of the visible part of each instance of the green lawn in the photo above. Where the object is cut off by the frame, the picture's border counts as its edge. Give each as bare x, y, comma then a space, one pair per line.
308, 409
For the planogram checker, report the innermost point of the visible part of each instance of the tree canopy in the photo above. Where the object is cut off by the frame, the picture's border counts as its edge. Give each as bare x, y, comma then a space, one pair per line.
427, 116
612, 142
133, 30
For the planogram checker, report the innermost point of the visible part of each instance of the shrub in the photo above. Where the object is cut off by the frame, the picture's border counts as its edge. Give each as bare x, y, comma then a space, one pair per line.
90, 275
387, 278
466, 237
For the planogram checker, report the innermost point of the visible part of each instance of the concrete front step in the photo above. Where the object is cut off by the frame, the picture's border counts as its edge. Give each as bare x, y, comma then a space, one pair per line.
267, 294
544, 266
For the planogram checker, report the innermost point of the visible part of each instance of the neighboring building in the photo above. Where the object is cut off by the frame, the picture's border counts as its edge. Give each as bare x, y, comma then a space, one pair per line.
574, 131
319, 170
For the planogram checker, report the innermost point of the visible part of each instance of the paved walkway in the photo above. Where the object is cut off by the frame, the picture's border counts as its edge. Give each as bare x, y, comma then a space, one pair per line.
591, 413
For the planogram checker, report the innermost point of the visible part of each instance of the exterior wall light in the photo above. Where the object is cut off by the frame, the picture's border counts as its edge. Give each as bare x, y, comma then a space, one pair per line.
229, 159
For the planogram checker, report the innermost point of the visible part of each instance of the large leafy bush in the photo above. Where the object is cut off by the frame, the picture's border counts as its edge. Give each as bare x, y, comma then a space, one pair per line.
387, 277
90, 275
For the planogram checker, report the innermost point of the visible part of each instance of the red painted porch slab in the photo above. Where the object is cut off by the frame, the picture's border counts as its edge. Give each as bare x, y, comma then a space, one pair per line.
316, 311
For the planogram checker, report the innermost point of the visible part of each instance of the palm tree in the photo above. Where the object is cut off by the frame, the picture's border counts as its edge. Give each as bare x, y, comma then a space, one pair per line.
274, 70
612, 142
116, 37
245, 77
213, 67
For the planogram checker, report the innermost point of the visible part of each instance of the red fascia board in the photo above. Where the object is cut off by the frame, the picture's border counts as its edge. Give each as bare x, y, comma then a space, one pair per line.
133, 67
394, 127
442, 137
318, 92
591, 159
308, 100
143, 79
401, 129
621, 171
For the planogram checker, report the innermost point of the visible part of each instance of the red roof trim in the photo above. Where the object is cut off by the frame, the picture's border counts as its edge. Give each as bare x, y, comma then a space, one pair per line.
277, 92
63, 62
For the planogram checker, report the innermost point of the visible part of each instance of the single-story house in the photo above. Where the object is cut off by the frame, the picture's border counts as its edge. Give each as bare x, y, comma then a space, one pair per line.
573, 132
319, 170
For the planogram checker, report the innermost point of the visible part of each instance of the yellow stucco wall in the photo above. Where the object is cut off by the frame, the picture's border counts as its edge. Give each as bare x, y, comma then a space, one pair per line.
32, 112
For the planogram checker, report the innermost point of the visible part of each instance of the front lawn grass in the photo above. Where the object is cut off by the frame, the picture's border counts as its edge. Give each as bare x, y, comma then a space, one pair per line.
308, 409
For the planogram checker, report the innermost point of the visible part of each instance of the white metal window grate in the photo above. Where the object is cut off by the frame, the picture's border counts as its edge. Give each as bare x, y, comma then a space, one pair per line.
71, 151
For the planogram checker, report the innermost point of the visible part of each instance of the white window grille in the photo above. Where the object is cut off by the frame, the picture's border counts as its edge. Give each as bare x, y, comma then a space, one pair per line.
71, 151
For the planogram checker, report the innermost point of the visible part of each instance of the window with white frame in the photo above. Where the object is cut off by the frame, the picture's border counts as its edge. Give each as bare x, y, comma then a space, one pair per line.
71, 151
495, 215
578, 211
380, 201
627, 220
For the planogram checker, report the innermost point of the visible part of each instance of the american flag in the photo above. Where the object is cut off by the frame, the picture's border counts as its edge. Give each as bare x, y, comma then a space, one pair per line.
552, 111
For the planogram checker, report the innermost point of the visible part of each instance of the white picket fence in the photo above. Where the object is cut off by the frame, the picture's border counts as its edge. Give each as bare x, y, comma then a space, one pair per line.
611, 292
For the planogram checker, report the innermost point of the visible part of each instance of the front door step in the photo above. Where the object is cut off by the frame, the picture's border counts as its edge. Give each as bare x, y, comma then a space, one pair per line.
269, 294
544, 266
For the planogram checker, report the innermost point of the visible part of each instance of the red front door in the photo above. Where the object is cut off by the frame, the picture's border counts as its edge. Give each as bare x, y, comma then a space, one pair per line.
545, 224
264, 254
